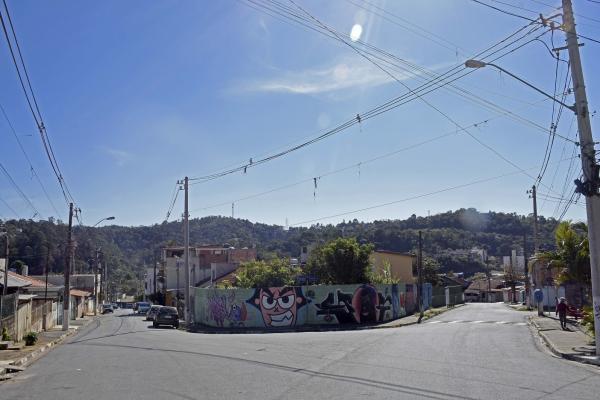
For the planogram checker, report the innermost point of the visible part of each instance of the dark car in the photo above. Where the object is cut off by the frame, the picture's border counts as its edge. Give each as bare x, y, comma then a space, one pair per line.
166, 316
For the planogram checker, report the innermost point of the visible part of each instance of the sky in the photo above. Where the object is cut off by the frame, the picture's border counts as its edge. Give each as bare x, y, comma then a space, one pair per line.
136, 95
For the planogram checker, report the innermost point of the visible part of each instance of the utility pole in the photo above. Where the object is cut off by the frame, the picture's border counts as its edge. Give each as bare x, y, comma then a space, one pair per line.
96, 273
46, 288
186, 217
526, 269
533, 195
155, 291
420, 277
67, 290
5, 284
589, 187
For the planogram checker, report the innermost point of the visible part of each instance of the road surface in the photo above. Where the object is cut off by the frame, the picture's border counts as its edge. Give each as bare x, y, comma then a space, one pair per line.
479, 351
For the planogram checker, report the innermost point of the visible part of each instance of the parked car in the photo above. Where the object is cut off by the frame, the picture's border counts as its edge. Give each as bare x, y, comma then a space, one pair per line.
166, 316
115, 306
107, 308
142, 307
151, 314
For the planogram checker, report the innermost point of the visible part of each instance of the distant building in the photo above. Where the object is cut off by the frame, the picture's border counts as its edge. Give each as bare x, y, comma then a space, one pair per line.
478, 254
403, 266
207, 263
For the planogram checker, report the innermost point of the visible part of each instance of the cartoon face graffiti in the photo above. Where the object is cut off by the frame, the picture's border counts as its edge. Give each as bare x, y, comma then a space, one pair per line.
278, 306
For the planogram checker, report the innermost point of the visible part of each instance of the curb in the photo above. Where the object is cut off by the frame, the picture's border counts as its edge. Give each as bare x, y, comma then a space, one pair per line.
558, 353
309, 328
34, 355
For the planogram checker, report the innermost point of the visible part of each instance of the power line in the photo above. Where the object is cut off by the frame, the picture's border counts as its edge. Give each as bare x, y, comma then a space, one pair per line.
35, 113
10, 208
429, 104
533, 20
385, 107
32, 169
20, 192
415, 197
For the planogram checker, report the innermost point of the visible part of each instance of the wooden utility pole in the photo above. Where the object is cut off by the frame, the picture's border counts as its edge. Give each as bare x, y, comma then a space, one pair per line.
591, 180
67, 272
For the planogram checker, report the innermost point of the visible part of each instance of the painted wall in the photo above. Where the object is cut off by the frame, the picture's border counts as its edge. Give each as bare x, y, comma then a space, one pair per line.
278, 307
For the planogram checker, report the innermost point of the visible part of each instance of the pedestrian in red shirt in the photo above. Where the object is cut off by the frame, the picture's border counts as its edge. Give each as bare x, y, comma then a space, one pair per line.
561, 310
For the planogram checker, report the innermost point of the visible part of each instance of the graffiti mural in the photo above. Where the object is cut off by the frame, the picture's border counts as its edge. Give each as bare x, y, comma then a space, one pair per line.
222, 308
364, 305
278, 306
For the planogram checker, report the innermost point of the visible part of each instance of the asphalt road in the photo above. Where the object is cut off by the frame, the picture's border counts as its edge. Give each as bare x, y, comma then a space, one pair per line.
480, 351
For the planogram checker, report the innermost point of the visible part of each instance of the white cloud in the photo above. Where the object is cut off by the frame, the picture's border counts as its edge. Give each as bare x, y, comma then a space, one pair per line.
340, 76
121, 157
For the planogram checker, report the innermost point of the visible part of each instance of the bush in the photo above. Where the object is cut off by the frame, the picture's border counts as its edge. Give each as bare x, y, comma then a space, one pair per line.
255, 274
588, 319
5, 336
30, 338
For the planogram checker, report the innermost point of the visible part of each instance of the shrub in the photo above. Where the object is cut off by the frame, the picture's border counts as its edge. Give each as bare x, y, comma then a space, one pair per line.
5, 336
30, 338
588, 319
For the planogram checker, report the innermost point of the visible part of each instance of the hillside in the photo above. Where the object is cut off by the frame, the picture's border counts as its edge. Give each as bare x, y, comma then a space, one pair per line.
127, 249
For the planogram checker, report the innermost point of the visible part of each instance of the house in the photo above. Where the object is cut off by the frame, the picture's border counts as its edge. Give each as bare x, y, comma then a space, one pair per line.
485, 290
207, 263
403, 266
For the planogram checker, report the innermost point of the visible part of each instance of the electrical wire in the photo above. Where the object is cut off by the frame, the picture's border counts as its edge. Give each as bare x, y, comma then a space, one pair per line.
415, 197
10, 208
391, 104
20, 192
32, 102
428, 103
173, 201
32, 169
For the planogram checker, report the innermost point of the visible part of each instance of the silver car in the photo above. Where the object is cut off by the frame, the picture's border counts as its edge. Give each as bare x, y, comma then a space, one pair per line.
151, 314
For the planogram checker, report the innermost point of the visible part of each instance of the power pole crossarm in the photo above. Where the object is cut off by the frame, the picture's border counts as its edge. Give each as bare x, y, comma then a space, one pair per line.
589, 187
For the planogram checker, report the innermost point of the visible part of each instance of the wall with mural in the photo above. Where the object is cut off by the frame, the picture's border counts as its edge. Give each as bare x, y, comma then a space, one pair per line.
289, 306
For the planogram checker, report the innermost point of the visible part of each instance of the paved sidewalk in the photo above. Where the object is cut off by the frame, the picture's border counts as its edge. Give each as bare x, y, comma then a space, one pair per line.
15, 360
572, 343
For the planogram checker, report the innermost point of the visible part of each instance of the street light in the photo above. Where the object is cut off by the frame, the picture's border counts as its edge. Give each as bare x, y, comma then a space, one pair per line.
480, 64
103, 219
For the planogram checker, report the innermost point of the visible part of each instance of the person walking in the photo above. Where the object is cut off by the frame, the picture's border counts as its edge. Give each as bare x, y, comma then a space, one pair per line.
561, 310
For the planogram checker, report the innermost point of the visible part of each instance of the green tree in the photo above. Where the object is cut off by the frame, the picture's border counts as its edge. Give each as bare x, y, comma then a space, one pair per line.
430, 271
571, 257
383, 277
341, 261
276, 272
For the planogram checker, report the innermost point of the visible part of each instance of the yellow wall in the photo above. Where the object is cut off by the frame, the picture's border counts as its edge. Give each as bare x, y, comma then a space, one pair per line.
401, 265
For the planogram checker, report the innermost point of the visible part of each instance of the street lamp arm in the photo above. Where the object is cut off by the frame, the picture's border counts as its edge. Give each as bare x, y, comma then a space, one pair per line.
570, 107
103, 219
481, 64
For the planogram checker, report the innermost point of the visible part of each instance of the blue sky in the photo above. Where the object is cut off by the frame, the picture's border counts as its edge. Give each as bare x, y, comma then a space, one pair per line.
138, 94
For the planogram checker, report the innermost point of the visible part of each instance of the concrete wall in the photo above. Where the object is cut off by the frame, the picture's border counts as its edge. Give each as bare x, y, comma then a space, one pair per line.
303, 305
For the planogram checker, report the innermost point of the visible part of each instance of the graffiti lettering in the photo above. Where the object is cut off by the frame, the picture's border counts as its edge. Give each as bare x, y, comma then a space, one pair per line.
364, 305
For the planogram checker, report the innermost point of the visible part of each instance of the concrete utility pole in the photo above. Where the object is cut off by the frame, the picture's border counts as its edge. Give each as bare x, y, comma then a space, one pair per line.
533, 195
590, 184
96, 273
46, 267
420, 277
186, 244
155, 291
526, 270
5, 271
67, 290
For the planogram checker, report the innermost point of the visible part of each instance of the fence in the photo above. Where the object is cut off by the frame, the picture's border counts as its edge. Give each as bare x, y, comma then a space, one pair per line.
9, 302
454, 295
276, 307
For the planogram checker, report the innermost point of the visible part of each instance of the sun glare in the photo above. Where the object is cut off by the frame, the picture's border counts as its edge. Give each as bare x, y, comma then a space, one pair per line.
356, 32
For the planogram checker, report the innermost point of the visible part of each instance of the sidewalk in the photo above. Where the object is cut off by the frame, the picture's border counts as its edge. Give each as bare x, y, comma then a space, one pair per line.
15, 360
572, 344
